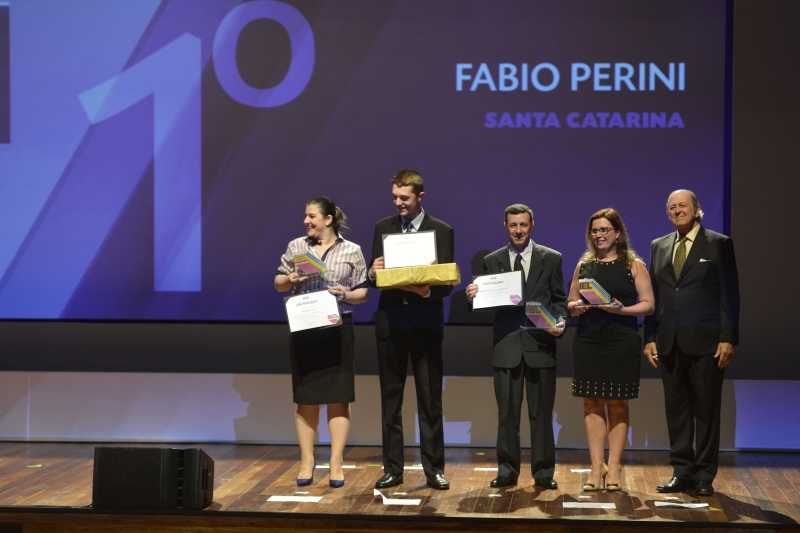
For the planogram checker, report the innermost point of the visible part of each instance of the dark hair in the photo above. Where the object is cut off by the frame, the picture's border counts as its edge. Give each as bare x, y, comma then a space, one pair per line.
327, 208
517, 209
409, 177
625, 253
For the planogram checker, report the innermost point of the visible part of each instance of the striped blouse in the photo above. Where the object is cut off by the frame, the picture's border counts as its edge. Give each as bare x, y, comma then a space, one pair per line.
345, 262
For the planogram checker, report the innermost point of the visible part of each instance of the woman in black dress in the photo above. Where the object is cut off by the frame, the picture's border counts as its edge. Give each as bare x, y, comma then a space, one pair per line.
607, 349
323, 359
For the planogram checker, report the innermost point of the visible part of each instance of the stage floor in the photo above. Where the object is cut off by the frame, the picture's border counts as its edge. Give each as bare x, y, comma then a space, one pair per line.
751, 488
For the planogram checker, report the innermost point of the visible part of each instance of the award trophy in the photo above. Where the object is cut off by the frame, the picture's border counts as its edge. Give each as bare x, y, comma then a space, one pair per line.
593, 293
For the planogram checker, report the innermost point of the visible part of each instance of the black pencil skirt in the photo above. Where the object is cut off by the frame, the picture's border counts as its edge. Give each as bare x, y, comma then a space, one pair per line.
323, 364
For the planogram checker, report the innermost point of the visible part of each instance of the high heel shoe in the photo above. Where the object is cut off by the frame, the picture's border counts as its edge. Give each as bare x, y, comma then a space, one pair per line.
304, 482
591, 487
613, 487
336, 483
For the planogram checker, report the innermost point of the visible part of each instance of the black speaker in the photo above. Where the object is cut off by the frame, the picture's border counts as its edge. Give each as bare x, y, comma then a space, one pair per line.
152, 478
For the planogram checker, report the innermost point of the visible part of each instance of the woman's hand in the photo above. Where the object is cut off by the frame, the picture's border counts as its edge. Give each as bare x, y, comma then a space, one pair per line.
295, 279
614, 307
338, 291
578, 307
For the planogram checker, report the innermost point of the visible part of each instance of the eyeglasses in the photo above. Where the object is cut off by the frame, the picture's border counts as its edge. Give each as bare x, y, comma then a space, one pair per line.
599, 231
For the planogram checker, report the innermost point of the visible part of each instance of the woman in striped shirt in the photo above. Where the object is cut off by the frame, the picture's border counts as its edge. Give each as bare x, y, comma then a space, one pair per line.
323, 359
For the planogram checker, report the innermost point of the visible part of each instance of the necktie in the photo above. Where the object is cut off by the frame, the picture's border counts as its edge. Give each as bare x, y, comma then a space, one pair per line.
518, 266
407, 226
680, 257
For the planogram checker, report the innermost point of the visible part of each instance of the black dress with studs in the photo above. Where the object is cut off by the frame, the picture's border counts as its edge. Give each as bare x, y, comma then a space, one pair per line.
606, 355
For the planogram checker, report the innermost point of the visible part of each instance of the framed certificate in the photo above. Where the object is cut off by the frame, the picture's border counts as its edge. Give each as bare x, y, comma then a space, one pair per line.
409, 249
497, 290
312, 310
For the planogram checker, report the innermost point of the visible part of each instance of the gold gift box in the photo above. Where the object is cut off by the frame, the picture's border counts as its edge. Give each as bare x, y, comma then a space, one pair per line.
446, 274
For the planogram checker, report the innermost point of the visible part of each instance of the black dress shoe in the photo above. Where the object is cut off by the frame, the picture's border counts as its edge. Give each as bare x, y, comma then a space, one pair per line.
546, 483
388, 480
675, 485
503, 481
439, 482
703, 488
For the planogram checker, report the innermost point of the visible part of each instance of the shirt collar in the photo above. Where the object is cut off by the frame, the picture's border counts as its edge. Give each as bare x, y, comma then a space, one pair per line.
691, 236
526, 253
417, 222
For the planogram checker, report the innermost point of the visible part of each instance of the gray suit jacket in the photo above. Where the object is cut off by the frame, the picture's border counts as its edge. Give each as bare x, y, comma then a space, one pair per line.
545, 284
699, 309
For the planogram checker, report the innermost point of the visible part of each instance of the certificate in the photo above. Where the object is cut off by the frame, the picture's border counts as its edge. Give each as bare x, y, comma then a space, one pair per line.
495, 290
312, 310
409, 249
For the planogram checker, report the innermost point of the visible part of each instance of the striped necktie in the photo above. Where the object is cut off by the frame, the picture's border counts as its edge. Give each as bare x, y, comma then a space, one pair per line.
680, 257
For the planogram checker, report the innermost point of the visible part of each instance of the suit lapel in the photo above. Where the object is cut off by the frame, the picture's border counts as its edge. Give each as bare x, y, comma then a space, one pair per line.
425, 224
669, 246
504, 261
535, 269
397, 224
699, 243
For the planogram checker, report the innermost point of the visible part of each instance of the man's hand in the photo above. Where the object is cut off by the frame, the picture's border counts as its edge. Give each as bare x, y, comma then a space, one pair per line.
724, 354
651, 352
559, 329
421, 290
471, 291
376, 265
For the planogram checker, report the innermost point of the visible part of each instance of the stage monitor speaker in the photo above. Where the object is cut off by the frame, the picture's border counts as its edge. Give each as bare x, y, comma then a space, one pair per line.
152, 478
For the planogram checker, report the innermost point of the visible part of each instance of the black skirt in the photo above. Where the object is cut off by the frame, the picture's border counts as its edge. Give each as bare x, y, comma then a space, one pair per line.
606, 364
323, 364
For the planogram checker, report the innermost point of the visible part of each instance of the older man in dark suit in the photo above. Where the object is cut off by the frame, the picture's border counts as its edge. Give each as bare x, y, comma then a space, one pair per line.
410, 324
692, 335
523, 357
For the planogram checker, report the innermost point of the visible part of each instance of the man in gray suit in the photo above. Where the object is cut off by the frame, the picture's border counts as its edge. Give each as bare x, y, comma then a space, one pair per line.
692, 335
525, 358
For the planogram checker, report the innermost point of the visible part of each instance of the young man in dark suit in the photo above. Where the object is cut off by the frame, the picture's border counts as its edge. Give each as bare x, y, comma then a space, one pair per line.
692, 334
525, 358
410, 324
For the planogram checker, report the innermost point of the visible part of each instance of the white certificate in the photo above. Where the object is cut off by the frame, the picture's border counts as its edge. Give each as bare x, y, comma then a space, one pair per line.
312, 310
495, 290
409, 249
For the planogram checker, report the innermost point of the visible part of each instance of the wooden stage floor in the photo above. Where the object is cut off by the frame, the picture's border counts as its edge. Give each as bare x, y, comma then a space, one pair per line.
48, 487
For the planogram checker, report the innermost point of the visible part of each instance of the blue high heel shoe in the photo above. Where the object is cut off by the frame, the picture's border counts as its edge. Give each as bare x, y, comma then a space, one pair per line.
301, 482
336, 483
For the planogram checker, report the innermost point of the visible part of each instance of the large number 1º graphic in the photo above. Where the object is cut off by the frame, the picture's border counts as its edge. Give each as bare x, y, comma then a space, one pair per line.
172, 76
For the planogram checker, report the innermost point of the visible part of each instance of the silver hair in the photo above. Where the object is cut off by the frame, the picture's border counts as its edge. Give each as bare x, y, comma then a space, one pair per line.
694, 201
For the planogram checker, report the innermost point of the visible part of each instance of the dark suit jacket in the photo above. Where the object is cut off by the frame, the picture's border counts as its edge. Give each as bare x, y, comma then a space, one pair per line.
425, 313
701, 308
545, 284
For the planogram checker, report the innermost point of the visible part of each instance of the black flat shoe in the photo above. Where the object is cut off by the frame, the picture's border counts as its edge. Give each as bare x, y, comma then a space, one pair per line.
703, 488
546, 483
675, 485
438, 482
503, 481
388, 480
